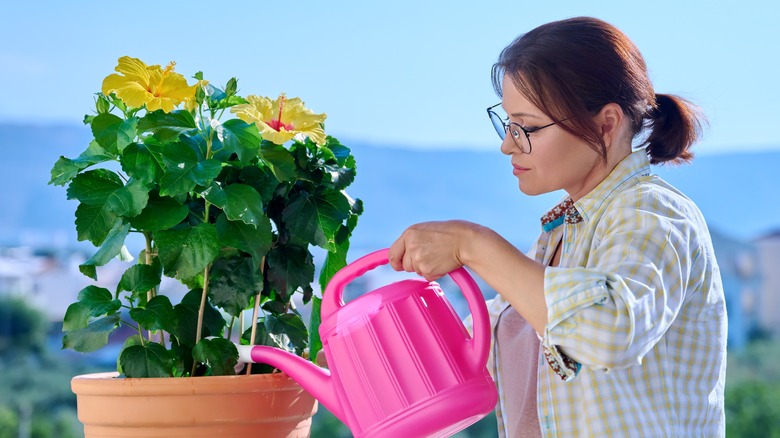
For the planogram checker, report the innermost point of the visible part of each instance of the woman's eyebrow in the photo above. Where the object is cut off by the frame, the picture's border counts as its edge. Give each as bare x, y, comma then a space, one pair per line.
524, 115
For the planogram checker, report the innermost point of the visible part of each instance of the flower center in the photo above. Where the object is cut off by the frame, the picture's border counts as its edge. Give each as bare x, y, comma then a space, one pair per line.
277, 124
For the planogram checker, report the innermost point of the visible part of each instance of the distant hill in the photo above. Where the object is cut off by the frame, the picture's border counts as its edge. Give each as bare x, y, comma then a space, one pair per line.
736, 192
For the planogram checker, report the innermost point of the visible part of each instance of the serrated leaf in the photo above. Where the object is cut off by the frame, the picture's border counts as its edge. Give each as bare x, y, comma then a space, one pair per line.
92, 337
241, 138
334, 260
240, 202
315, 320
255, 241
183, 171
140, 278
187, 319
93, 187
289, 327
94, 222
138, 161
219, 354
167, 127
76, 316
262, 179
66, 169
186, 252
99, 300
233, 282
289, 267
111, 247
341, 152
339, 177
157, 315
148, 360
280, 161
104, 189
316, 218
160, 213
113, 133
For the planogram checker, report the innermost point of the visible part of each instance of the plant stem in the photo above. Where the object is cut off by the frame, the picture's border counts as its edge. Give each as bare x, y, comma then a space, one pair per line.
254, 316
151, 292
202, 308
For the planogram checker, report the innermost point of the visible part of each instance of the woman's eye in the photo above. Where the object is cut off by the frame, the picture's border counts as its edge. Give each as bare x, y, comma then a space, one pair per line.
515, 132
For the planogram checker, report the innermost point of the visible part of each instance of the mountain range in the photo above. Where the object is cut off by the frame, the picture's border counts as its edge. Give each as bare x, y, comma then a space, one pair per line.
737, 192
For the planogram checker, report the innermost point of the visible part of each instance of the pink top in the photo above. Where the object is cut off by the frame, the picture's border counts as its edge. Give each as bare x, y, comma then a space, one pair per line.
519, 363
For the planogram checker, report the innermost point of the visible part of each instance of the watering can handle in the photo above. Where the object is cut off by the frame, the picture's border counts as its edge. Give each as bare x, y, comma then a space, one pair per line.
332, 299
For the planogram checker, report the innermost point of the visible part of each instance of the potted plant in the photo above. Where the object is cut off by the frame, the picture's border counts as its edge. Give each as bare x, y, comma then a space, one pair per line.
227, 194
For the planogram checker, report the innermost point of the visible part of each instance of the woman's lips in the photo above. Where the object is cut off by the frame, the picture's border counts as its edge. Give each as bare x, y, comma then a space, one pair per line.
517, 170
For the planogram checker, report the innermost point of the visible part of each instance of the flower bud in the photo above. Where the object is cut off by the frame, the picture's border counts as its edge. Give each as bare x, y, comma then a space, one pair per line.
101, 104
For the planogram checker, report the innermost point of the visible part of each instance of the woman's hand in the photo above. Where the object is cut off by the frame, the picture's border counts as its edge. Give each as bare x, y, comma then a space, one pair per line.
432, 249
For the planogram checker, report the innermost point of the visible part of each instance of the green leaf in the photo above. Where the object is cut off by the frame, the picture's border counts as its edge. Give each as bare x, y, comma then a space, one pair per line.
167, 127
215, 94
240, 202
316, 218
66, 169
241, 138
289, 268
315, 320
290, 328
138, 161
140, 278
111, 247
94, 222
342, 153
160, 213
92, 337
93, 187
104, 189
99, 300
112, 132
262, 179
186, 252
255, 241
233, 282
335, 260
187, 319
183, 171
76, 316
148, 360
280, 161
219, 354
157, 315
339, 177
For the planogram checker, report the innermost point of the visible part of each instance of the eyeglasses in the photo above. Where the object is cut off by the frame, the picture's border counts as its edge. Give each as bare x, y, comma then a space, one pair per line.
519, 134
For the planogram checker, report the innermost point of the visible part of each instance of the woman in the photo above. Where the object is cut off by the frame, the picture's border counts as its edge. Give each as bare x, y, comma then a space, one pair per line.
615, 323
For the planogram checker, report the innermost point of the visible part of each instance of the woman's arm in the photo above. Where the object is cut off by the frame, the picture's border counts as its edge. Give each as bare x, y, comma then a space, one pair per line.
433, 249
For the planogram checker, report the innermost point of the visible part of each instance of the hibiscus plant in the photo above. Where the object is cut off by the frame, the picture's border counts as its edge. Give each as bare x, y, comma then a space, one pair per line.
227, 194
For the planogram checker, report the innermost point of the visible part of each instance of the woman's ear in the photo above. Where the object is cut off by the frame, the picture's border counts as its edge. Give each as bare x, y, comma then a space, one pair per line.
610, 121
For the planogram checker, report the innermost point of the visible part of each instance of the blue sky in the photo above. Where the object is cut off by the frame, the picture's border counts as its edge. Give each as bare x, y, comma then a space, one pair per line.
408, 73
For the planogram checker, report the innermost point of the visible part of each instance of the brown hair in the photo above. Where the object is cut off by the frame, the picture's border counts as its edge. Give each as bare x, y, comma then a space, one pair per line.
571, 68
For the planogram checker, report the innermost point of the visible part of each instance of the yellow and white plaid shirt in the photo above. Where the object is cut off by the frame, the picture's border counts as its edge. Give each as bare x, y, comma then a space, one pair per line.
635, 343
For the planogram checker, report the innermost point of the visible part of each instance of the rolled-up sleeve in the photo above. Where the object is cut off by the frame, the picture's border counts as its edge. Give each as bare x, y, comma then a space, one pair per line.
611, 312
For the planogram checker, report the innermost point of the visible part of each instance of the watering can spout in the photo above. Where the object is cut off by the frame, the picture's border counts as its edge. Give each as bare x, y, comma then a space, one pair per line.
315, 380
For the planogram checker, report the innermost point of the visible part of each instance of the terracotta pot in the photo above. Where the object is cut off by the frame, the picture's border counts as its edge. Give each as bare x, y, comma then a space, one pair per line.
263, 405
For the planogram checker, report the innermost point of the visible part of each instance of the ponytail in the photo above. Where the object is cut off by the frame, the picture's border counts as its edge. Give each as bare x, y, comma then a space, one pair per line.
675, 125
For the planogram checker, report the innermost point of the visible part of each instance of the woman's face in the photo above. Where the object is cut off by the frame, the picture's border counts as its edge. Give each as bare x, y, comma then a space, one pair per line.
558, 159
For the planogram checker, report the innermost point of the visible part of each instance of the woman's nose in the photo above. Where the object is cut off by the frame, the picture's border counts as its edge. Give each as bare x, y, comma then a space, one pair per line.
508, 145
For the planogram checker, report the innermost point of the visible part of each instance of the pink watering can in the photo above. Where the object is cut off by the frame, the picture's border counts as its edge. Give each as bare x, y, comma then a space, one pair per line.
401, 363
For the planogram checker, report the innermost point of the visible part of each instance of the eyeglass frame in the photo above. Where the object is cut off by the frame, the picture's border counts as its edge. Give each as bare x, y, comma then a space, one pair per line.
502, 133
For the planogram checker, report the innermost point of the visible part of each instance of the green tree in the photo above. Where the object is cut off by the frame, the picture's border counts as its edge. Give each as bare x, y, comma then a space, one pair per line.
35, 396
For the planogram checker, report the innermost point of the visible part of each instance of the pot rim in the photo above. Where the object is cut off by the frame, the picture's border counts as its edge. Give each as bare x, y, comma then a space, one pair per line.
109, 383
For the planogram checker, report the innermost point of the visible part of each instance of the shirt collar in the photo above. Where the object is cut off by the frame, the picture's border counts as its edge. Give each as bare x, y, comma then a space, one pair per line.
635, 164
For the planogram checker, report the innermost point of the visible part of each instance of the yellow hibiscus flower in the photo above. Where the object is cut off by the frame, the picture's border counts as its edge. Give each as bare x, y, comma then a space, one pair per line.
281, 119
153, 86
